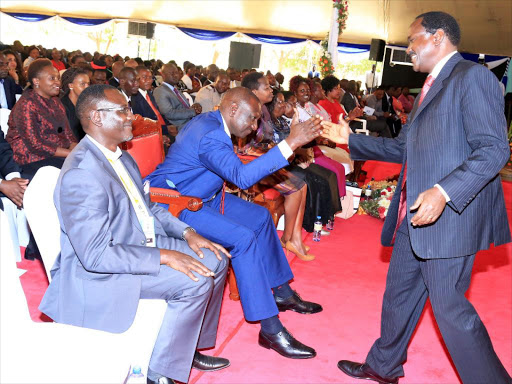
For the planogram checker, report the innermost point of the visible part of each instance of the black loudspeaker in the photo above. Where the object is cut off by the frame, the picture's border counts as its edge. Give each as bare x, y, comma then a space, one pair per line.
377, 50
150, 30
244, 55
141, 29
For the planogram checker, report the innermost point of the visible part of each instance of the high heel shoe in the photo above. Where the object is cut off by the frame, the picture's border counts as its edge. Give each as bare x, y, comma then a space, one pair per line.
292, 249
306, 247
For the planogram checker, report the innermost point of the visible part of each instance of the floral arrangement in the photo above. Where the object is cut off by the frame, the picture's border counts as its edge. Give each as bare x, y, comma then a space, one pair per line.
377, 204
325, 61
342, 6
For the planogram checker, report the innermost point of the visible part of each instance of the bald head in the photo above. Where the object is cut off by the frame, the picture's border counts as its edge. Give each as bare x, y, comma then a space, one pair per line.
116, 68
241, 110
131, 63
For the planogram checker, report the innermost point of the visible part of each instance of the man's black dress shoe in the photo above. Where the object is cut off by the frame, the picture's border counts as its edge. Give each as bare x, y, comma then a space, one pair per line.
296, 304
209, 363
363, 371
162, 380
286, 345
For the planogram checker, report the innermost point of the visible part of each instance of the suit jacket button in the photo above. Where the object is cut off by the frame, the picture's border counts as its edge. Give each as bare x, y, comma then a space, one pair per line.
143, 242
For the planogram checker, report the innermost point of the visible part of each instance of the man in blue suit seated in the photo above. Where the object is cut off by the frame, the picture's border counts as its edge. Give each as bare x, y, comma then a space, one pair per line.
448, 205
198, 164
117, 248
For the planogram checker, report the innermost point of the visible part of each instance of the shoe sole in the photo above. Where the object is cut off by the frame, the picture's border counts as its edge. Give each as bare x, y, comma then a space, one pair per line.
365, 378
213, 369
288, 357
302, 313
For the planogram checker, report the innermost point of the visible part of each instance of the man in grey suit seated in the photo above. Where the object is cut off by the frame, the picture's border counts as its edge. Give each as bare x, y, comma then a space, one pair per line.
117, 247
173, 105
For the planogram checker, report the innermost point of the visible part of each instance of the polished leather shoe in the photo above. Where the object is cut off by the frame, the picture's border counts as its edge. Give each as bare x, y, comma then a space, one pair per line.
209, 363
286, 345
363, 371
296, 304
162, 380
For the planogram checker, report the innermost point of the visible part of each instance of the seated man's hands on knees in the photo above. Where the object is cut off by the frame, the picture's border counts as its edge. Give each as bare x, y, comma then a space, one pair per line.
184, 263
14, 189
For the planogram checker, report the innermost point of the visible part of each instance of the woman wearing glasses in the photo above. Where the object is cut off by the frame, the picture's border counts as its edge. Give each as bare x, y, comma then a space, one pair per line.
39, 132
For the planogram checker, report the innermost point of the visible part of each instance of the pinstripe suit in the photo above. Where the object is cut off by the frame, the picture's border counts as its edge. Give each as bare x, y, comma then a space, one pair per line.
456, 138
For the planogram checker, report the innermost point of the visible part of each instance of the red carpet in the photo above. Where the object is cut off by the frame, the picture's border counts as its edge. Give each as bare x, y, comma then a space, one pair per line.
348, 279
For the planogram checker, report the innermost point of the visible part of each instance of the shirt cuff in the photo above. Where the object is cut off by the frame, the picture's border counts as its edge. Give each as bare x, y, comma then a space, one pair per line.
285, 149
443, 192
12, 175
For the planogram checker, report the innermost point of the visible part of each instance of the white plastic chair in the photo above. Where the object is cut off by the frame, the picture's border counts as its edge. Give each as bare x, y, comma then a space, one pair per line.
4, 118
362, 130
59, 353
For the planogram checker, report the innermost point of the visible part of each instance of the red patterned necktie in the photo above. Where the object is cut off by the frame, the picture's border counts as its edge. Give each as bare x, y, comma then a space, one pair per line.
402, 204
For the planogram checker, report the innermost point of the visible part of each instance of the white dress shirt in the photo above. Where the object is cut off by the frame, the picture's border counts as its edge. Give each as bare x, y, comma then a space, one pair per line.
139, 206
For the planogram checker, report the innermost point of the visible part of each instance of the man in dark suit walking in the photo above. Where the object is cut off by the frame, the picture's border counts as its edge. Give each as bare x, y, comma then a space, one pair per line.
448, 205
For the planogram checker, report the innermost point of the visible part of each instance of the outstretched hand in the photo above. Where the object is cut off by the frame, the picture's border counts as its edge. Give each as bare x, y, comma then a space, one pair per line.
430, 205
337, 133
303, 133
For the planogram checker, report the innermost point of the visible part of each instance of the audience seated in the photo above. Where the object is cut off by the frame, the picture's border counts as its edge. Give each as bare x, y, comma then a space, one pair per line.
99, 73
143, 102
171, 102
375, 101
212, 71
128, 83
198, 164
33, 54
329, 149
57, 60
8, 87
39, 132
74, 81
116, 68
373, 124
331, 103
12, 185
15, 68
234, 78
190, 80
299, 86
406, 99
12, 190
209, 96
113, 261
287, 181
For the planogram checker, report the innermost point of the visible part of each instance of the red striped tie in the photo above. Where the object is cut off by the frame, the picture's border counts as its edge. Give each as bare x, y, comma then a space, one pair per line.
402, 205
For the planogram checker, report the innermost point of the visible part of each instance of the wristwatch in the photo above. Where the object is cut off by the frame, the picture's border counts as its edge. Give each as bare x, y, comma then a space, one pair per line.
188, 229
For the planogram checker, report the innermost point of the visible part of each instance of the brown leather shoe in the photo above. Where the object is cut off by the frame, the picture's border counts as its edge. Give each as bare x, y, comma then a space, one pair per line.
363, 371
292, 249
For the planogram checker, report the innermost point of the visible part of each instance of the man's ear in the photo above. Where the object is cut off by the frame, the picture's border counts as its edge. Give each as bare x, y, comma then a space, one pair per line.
439, 37
233, 108
95, 118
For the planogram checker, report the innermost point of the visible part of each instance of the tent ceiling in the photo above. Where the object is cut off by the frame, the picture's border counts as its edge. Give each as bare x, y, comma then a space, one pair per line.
486, 24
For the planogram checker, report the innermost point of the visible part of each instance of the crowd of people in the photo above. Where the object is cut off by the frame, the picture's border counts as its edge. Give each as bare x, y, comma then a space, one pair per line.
76, 108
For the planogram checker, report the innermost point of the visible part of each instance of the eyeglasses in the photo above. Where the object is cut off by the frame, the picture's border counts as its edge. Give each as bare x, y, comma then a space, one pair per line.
123, 110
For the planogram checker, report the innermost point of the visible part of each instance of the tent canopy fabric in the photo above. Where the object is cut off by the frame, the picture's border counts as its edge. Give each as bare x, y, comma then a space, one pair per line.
486, 25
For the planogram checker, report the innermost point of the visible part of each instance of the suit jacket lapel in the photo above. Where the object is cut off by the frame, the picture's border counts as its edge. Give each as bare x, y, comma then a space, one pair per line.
108, 168
437, 86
